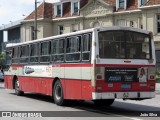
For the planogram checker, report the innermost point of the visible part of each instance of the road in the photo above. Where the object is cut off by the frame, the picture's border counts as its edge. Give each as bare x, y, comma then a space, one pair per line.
121, 110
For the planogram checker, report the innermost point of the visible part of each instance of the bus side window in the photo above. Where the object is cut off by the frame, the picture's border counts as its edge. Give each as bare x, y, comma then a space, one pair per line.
86, 47
58, 50
15, 55
34, 53
73, 49
45, 51
8, 57
24, 53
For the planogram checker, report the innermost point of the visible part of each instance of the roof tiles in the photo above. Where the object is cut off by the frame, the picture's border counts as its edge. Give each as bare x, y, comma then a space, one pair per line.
46, 10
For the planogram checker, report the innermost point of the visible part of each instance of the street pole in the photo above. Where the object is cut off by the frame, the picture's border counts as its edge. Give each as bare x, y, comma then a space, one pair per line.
35, 21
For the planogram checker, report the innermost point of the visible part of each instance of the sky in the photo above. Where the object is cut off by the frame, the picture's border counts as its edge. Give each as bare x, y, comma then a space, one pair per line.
13, 10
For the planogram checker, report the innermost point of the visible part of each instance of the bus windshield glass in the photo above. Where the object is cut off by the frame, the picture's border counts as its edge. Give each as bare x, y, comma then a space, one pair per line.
124, 45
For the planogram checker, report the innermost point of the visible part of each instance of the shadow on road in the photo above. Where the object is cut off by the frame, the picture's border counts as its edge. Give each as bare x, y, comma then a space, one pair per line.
117, 108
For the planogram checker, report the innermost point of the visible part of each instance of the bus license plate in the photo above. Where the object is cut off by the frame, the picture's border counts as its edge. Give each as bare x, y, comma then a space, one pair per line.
126, 86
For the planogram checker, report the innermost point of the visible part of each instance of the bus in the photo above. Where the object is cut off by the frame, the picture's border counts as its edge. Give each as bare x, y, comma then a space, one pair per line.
98, 64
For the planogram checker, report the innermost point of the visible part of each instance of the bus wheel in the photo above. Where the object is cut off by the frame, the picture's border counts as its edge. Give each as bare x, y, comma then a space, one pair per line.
106, 102
58, 93
17, 91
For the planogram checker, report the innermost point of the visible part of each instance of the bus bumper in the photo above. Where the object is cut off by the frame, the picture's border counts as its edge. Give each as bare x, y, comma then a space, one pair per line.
122, 95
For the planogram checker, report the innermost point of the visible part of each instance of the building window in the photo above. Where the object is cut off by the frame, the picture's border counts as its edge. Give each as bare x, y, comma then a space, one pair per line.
143, 1
121, 3
58, 10
75, 10
121, 22
32, 33
158, 23
131, 23
75, 7
60, 29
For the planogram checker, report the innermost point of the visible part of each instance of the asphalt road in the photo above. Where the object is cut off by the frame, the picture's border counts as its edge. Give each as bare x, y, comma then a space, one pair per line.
44, 106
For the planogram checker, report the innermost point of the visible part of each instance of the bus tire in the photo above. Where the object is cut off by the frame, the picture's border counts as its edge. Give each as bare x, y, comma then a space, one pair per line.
106, 102
58, 93
17, 91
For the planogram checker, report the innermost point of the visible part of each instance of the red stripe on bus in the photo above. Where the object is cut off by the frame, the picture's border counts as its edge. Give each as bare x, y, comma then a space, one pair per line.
59, 65
72, 65
15, 66
121, 65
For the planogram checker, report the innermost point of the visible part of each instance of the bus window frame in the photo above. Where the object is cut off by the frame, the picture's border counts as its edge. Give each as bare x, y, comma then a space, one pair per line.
40, 50
20, 47
81, 35
17, 55
58, 39
8, 54
38, 43
90, 35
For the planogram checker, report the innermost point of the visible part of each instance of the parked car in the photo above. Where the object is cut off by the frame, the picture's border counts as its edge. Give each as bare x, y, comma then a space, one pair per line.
1, 76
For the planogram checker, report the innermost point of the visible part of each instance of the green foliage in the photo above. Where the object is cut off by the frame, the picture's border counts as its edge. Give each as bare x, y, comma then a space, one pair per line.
158, 74
2, 58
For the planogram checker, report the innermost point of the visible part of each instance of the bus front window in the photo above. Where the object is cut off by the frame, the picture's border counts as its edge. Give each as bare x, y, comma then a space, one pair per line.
124, 45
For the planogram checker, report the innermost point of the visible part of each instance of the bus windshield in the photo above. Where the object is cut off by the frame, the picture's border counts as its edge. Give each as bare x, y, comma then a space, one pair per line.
124, 45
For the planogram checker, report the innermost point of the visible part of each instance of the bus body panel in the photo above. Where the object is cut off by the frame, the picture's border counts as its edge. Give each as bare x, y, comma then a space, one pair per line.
84, 80
73, 86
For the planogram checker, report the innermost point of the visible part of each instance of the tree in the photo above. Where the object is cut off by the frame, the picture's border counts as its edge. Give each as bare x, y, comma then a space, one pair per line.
2, 59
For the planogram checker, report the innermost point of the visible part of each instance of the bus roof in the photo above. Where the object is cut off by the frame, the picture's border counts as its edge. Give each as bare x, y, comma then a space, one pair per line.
79, 32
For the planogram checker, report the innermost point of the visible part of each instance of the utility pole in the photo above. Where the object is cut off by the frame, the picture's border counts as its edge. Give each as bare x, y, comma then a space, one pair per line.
35, 21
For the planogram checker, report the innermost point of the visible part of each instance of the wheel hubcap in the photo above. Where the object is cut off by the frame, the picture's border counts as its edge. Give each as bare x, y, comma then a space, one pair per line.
17, 85
58, 92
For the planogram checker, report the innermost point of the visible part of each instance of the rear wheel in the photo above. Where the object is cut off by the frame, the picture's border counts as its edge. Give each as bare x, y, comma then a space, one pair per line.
106, 102
17, 91
58, 93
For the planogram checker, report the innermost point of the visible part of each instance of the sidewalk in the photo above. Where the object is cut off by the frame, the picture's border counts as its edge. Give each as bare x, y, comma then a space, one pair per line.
158, 88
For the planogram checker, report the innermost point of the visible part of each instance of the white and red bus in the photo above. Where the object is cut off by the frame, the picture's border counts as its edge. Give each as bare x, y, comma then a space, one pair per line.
98, 64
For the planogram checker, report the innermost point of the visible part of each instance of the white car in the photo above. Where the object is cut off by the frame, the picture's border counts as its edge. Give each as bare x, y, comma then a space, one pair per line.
1, 76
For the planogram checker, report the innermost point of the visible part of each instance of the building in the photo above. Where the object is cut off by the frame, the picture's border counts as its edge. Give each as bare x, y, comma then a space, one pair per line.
14, 33
64, 16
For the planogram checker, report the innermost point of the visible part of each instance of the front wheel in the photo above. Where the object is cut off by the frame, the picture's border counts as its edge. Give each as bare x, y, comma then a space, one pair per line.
106, 102
58, 93
17, 91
